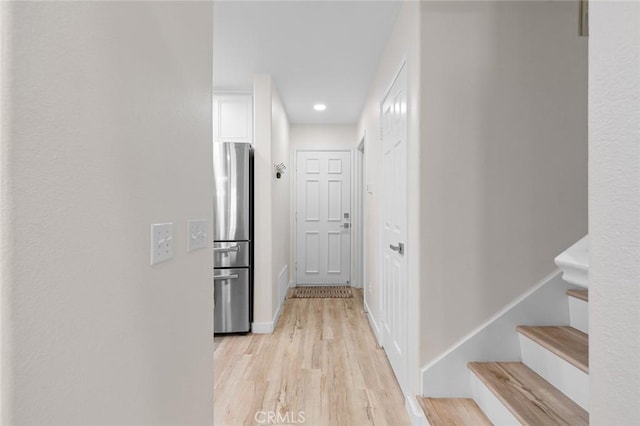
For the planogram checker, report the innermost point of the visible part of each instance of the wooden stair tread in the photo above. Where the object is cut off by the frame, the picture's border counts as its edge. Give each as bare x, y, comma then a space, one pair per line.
568, 343
531, 399
579, 294
453, 412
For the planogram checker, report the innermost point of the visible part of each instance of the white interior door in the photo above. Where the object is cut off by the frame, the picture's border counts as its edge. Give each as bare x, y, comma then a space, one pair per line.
323, 216
394, 221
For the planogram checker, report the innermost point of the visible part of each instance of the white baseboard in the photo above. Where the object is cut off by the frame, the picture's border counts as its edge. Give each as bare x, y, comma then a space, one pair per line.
291, 284
262, 327
416, 415
497, 339
373, 324
268, 327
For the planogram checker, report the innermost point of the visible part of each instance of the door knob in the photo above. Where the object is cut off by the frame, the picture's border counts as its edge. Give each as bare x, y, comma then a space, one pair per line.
346, 225
399, 248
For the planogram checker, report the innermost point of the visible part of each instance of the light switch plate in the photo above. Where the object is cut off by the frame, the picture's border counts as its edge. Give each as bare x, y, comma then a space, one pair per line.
161, 242
196, 235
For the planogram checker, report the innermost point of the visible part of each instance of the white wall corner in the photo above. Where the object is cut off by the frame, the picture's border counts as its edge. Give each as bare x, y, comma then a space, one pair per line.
497, 339
276, 316
283, 284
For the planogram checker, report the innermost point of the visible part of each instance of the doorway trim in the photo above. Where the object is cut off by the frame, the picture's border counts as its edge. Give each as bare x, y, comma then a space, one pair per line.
359, 226
294, 204
403, 380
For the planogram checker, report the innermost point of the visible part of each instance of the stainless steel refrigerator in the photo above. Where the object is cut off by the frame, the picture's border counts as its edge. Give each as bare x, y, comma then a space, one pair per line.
233, 234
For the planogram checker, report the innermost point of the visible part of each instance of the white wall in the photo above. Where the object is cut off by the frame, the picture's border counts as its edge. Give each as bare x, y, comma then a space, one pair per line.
403, 44
281, 196
106, 128
271, 201
317, 137
504, 156
323, 136
614, 212
263, 229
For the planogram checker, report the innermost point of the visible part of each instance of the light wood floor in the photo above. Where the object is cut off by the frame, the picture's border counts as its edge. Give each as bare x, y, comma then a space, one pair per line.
322, 360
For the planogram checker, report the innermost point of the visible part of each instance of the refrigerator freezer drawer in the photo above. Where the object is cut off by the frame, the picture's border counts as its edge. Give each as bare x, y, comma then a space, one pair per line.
231, 255
231, 300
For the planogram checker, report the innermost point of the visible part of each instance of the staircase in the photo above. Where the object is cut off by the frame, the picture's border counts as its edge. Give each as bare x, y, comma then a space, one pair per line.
549, 386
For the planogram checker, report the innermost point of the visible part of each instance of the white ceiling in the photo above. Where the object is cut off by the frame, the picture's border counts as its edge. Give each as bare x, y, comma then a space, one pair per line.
316, 51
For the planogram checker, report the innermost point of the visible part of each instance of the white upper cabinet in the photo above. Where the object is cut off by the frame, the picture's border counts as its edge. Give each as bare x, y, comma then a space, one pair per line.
233, 118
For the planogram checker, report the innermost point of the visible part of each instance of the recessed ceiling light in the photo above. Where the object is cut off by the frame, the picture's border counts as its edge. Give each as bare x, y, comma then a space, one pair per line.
319, 107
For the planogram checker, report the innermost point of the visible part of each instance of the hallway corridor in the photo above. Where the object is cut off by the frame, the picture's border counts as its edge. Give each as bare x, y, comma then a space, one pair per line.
321, 366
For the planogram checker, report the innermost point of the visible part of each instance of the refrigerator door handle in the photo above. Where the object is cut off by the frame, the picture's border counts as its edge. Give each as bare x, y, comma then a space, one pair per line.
225, 277
226, 249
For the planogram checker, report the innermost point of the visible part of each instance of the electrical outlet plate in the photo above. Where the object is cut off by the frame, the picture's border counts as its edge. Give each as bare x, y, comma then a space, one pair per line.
196, 235
161, 242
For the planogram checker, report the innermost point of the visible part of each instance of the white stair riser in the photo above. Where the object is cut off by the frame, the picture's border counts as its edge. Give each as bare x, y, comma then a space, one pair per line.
567, 378
579, 314
492, 407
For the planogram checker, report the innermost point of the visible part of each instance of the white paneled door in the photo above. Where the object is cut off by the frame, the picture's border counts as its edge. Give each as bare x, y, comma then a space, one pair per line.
323, 218
394, 220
